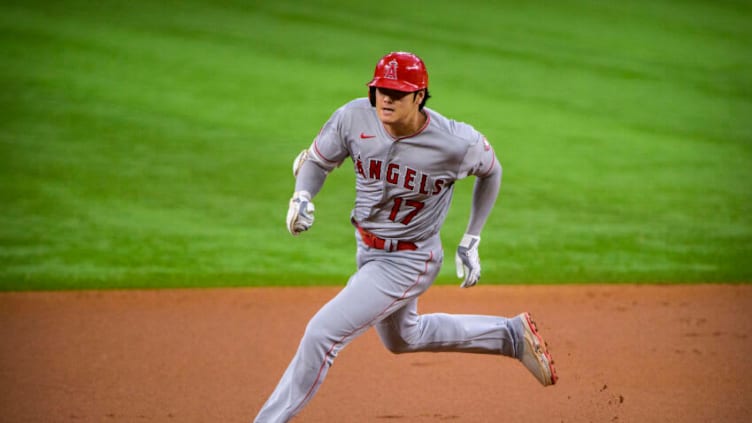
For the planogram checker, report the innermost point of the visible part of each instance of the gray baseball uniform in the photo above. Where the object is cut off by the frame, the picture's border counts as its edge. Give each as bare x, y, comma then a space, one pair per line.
403, 191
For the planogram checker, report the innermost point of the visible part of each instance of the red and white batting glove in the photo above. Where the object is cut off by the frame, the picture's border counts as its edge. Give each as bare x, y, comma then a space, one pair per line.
468, 261
300, 213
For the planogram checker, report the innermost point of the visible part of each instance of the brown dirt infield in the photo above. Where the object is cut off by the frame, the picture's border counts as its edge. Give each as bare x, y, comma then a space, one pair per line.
624, 354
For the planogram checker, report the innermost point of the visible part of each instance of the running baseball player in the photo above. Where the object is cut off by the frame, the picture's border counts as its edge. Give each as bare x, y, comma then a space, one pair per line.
406, 159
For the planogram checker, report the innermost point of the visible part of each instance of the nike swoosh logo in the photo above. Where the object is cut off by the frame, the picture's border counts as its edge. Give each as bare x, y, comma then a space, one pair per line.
363, 136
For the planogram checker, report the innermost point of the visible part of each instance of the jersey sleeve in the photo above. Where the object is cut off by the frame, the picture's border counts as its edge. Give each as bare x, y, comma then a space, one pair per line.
480, 158
329, 149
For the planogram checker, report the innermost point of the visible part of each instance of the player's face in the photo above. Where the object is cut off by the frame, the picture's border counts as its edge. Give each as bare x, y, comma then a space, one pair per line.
397, 107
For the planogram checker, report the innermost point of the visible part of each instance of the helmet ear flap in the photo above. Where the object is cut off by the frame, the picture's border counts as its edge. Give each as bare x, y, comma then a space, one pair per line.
372, 96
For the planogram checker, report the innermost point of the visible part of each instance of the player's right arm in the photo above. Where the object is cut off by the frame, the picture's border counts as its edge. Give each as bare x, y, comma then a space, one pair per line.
309, 178
310, 169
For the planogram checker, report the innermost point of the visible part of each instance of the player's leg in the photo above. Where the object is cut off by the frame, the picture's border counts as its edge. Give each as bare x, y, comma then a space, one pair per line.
371, 294
407, 331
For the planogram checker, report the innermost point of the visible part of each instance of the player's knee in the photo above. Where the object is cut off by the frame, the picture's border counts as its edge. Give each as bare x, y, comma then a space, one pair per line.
396, 347
395, 343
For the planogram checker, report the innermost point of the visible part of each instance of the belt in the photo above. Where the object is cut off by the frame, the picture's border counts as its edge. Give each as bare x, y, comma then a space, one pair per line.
374, 241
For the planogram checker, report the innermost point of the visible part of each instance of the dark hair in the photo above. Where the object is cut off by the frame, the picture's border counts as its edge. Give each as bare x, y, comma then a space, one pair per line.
372, 97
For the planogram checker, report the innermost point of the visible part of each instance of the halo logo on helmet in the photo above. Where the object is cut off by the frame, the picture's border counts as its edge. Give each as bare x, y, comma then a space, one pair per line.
391, 70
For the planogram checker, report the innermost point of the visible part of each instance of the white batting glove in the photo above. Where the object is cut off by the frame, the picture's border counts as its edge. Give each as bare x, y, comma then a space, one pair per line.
300, 213
298, 162
468, 261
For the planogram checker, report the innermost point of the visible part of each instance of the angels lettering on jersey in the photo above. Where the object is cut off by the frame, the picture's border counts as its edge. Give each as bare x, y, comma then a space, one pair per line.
398, 175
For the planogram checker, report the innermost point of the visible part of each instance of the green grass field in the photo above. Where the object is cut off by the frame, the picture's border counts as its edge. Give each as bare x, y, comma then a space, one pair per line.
149, 143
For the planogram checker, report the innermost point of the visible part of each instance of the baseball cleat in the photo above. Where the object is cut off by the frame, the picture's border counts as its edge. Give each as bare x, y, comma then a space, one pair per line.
535, 355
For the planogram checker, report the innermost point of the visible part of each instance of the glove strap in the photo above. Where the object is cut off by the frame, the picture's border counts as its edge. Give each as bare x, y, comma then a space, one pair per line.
302, 195
470, 241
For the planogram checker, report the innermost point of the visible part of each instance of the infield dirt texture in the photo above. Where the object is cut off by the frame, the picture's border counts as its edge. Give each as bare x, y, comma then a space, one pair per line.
624, 354
140, 151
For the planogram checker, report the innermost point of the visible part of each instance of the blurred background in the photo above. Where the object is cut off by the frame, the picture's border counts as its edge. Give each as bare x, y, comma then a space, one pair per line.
149, 143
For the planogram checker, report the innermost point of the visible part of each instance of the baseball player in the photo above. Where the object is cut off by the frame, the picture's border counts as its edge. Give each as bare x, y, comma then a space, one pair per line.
406, 159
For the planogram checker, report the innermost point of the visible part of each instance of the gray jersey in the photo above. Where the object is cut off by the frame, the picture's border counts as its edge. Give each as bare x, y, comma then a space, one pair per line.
403, 186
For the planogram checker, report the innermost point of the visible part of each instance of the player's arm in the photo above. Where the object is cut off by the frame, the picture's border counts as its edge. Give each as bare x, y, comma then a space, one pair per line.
309, 178
310, 168
485, 191
480, 161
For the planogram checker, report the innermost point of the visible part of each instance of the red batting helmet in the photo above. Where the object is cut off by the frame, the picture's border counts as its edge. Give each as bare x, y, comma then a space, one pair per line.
400, 71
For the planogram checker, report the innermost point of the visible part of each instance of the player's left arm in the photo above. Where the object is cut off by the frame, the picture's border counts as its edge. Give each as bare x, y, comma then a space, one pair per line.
488, 171
485, 192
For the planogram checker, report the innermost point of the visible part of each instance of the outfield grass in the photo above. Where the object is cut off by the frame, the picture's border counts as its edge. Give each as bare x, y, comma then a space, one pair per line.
148, 143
